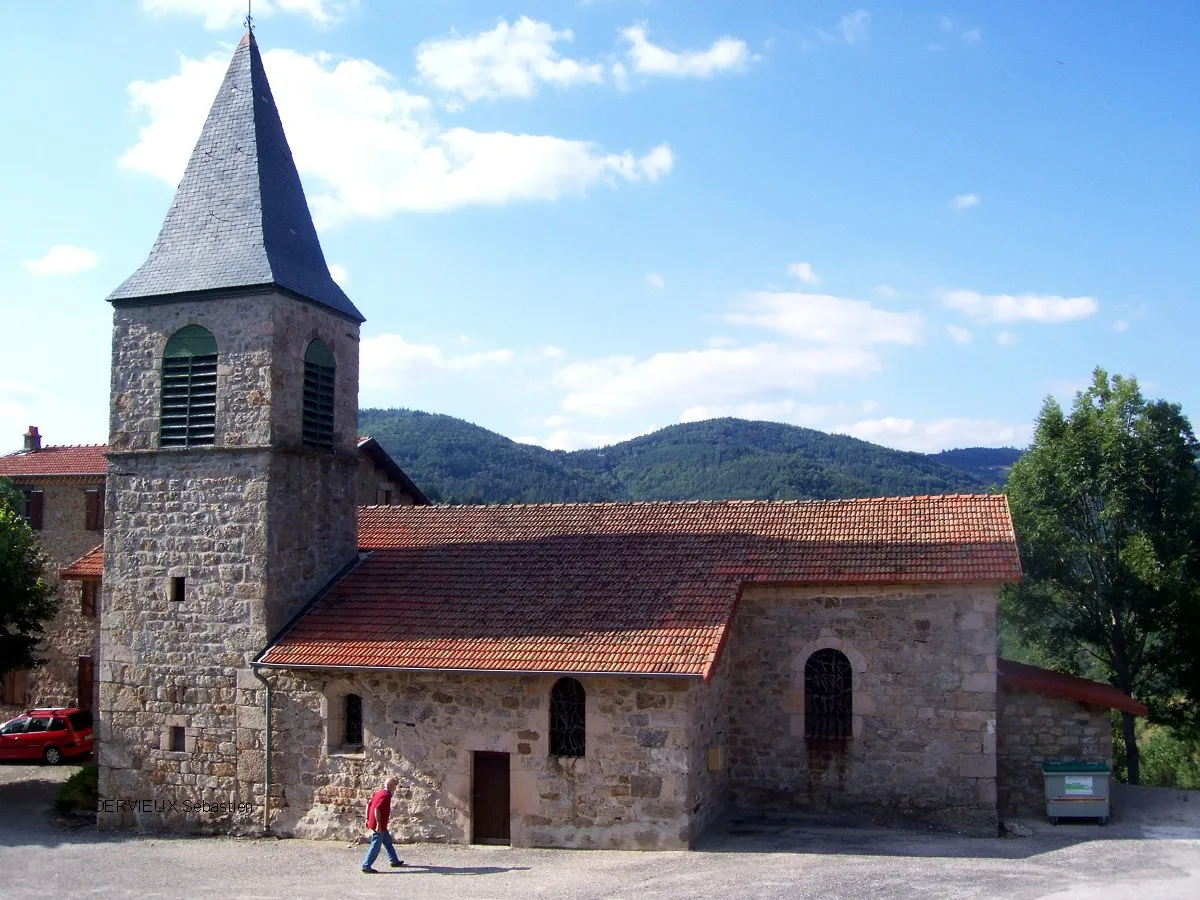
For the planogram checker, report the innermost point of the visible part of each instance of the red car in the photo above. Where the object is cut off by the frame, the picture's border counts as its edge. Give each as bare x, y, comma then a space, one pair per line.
47, 734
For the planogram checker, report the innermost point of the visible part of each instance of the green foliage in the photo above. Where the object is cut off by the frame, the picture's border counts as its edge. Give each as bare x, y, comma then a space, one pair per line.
26, 601
989, 465
79, 792
1169, 757
456, 462
1106, 504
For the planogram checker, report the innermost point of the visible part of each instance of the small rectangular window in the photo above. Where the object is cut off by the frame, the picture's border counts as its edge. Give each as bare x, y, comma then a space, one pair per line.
178, 739
177, 589
89, 590
12, 688
353, 721
93, 509
35, 502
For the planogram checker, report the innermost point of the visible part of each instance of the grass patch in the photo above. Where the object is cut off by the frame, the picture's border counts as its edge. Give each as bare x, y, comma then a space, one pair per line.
79, 792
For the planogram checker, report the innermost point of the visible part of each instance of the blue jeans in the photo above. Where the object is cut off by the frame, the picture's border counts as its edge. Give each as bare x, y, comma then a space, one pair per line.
380, 839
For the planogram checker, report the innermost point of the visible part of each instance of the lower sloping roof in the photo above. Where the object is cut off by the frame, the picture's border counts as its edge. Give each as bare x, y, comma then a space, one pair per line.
90, 565
619, 588
1020, 676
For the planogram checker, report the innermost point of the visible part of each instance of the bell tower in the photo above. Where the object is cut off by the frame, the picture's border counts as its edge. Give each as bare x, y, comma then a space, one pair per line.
233, 426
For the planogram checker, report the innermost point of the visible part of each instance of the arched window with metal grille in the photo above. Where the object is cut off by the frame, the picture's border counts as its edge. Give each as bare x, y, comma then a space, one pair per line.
568, 725
319, 371
828, 696
188, 417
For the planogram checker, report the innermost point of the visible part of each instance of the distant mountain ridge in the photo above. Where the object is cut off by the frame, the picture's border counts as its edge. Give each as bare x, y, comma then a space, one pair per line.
454, 461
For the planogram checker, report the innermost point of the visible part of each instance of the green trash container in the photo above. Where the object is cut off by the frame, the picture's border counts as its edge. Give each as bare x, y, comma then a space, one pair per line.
1077, 791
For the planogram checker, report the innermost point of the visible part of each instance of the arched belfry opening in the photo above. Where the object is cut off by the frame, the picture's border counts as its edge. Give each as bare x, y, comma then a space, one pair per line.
189, 389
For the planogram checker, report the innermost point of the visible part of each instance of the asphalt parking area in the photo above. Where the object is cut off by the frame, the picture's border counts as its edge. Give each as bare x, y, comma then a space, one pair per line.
1150, 851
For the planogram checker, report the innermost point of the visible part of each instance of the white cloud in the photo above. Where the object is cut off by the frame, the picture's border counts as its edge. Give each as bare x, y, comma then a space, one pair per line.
787, 410
938, 434
551, 352
1023, 308
218, 14
803, 272
388, 360
972, 36
1120, 325
1006, 338
887, 292
722, 340
961, 335
656, 281
368, 149
853, 26
339, 274
618, 384
508, 61
63, 259
580, 440
828, 319
725, 54
965, 201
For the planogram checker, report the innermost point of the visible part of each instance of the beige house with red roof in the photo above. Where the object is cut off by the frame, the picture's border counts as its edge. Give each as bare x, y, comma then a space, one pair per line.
575, 675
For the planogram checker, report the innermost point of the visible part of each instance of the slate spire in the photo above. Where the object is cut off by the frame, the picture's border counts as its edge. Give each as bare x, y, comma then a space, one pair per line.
239, 218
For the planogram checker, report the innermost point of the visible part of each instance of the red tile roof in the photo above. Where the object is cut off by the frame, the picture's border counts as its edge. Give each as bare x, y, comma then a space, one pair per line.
645, 588
1020, 676
81, 459
90, 565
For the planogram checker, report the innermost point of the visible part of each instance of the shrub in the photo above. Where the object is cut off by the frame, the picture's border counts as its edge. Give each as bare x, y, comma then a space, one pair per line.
79, 792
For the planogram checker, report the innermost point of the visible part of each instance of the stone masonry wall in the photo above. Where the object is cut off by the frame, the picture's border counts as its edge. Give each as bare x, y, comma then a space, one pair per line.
924, 701
69, 635
708, 779
256, 525
630, 790
372, 480
1034, 729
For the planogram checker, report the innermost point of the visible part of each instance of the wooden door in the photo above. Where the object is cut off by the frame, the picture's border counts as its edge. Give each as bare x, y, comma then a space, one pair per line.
489, 798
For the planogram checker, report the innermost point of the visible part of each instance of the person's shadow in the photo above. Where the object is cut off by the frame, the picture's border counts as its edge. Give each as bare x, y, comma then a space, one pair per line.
453, 870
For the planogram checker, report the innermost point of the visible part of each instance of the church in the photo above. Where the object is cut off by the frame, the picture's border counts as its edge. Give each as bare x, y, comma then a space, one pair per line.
607, 675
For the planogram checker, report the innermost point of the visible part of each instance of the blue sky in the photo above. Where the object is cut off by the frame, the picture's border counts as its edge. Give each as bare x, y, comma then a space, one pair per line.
577, 222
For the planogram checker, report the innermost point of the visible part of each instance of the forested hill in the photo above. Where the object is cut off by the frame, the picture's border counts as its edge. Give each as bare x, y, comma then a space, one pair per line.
457, 462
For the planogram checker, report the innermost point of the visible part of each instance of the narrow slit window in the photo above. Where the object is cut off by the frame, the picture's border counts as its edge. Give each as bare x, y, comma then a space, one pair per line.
177, 586
352, 720
189, 389
828, 696
178, 739
317, 419
568, 726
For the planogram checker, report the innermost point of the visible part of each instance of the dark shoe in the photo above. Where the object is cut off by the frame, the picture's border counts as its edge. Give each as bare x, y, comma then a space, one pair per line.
397, 864
367, 870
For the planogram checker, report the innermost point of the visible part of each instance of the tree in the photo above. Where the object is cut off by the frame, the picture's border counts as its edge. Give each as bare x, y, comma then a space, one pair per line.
26, 601
1106, 505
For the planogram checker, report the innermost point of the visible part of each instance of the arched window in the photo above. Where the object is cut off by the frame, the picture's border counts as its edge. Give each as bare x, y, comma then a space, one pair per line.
828, 696
319, 370
352, 721
189, 389
568, 731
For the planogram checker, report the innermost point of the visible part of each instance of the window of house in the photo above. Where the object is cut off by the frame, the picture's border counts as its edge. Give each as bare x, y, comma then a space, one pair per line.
189, 389
352, 721
93, 509
828, 696
568, 731
35, 504
317, 418
88, 592
178, 739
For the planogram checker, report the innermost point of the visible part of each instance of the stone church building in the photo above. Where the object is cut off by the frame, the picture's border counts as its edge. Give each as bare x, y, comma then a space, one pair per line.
571, 675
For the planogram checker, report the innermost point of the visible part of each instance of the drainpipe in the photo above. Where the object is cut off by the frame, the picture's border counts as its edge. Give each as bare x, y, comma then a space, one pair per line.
266, 750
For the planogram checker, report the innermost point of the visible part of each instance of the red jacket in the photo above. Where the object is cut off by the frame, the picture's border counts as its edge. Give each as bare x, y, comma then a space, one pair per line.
379, 810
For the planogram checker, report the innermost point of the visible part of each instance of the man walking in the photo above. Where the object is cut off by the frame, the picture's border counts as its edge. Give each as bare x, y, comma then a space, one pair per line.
378, 812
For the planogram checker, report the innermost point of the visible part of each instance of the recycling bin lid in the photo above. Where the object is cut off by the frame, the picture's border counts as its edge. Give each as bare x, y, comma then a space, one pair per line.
1073, 767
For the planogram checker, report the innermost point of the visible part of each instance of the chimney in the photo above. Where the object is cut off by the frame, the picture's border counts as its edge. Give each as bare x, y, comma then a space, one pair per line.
33, 440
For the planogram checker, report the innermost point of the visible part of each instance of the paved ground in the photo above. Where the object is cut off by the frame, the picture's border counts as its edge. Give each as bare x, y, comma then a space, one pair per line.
1151, 851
